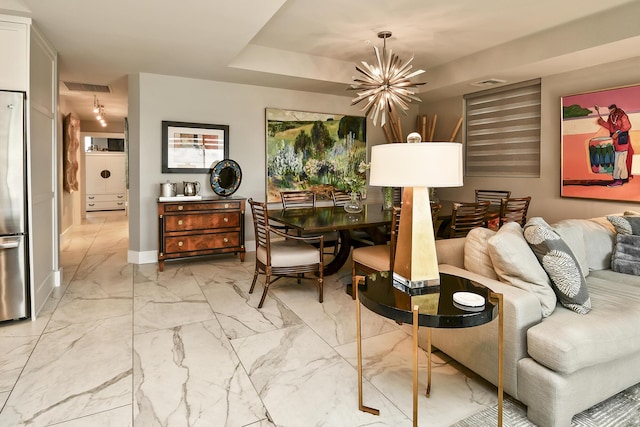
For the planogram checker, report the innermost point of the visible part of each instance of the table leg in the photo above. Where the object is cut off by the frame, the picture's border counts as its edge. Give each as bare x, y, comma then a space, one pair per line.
428, 393
341, 256
362, 407
415, 365
500, 299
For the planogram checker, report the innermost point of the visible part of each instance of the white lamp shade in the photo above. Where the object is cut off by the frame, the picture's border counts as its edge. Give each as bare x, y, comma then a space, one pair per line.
424, 164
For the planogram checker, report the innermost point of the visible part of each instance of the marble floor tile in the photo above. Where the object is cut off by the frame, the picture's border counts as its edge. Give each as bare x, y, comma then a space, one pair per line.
335, 319
190, 376
119, 417
304, 382
77, 370
16, 344
168, 301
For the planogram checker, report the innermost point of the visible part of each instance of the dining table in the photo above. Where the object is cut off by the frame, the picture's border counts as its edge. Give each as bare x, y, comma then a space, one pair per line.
324, 219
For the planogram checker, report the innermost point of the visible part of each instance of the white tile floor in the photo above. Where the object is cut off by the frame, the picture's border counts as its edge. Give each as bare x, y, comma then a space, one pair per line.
124, 345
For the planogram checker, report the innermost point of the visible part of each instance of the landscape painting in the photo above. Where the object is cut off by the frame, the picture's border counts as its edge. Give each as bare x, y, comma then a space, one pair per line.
600, 133
313, 151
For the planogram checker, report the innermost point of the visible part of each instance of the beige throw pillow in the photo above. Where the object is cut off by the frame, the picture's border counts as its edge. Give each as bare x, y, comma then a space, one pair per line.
515, 264
476, 252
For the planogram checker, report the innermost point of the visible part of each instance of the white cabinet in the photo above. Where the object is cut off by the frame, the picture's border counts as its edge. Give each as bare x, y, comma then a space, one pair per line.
105, 181
14, 48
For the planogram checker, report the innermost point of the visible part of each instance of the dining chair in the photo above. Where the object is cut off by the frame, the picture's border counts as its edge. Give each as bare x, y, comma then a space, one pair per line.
298, 199
514, 210
286, 256
370, 259
340, 197
397, 196
435, 210
494, 197
466, 216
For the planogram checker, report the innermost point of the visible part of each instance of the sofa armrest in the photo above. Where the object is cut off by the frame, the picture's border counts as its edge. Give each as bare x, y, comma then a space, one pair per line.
477, 348
451, 251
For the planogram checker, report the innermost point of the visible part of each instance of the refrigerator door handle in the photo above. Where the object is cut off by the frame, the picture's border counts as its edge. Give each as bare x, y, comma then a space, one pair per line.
9, 244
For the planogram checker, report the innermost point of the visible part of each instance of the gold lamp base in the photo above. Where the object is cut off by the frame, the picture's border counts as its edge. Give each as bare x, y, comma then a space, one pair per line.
416, 263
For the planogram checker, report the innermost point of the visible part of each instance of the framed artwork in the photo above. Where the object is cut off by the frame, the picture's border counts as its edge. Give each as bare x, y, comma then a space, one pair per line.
600, 133
313, 151
193, 147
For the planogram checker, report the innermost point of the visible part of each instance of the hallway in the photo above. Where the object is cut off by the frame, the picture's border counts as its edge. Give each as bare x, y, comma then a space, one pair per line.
122, 345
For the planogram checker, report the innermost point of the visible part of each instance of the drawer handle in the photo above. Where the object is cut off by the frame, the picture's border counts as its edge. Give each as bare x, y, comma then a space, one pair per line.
226, 205
120, 203
180, 207
120, 197
180, 244
225, 240
91, 204
226, 219
179, 222
92, 197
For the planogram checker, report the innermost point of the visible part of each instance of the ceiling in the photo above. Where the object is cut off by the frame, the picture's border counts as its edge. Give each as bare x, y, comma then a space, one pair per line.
314, 45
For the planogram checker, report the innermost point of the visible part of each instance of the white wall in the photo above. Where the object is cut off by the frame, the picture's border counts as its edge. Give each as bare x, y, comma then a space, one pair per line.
154, 98
545, 191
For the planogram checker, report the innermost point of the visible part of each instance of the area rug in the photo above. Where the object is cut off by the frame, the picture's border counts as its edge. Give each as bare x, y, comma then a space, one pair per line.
621, 410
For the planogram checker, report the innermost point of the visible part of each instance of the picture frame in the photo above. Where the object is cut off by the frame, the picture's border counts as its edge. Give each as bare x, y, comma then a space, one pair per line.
193, 147
597, 163
313, 151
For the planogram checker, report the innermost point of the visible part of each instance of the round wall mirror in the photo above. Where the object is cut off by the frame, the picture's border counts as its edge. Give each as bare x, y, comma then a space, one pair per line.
225, 177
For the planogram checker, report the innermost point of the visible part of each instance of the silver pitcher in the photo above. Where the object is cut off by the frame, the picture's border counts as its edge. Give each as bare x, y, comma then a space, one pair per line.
168, 189
191, 188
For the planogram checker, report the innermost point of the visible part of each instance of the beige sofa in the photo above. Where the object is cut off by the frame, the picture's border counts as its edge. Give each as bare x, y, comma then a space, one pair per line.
564, 363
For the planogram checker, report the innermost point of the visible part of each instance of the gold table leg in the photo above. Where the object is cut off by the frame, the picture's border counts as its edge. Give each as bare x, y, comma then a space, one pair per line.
362, 407
415, 365
499, 297
428, 393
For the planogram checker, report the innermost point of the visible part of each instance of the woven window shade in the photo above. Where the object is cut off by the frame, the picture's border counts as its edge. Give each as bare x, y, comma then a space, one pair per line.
503, 131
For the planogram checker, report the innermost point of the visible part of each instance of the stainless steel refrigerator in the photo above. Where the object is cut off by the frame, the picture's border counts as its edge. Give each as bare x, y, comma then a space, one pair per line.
14, 293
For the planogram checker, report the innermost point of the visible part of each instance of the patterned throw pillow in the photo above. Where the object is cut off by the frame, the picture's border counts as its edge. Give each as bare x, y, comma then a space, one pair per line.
560, 263
627, 224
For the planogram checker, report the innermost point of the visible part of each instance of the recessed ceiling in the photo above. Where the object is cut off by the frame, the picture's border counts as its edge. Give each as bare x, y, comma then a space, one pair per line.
314, 46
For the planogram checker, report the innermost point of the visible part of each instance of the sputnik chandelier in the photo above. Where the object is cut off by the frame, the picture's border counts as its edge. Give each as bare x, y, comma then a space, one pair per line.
385, 85
98, 109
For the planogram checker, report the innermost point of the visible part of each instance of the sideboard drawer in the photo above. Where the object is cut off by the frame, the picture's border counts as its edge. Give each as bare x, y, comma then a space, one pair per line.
187, 222
202, 242
202, 206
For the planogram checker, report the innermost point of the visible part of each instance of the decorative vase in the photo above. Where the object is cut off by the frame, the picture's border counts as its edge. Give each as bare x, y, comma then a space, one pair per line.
387, 198
354, 205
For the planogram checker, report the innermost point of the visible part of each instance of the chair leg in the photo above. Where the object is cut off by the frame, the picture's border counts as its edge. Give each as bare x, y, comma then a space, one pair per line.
266, 288
255, 278
320, 288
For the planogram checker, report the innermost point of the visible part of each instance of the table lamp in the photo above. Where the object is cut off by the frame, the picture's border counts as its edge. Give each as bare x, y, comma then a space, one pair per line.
416, 167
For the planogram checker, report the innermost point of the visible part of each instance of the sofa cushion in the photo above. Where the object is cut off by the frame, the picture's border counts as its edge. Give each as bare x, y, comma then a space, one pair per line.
626, 224
571, 231
515, 264
626, 255
560, 263
599, 238
567, 342
476, 252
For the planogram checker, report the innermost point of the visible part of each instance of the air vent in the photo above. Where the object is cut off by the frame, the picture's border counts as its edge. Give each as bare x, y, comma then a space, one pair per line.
87, 87
488, 82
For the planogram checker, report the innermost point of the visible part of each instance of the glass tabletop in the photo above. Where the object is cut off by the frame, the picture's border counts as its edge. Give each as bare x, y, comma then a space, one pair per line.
437, 308
329, 218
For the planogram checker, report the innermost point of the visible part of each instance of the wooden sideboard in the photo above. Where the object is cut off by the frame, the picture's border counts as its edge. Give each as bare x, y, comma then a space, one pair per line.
213, 225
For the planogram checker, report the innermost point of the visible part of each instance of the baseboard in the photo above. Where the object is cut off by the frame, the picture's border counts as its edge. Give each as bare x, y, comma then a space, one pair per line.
146, 257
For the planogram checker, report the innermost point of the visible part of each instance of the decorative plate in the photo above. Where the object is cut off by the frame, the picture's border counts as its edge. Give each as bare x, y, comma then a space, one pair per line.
225, 177
468, 299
